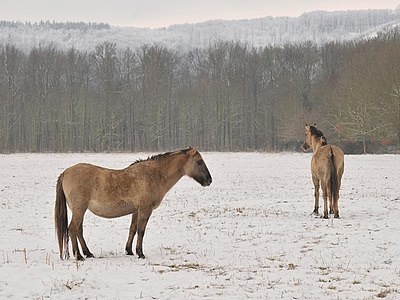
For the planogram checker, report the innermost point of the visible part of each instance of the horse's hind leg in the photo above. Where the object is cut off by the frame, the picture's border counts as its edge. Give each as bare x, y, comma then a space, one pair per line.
143, 218
331, 205
85, 248
316, 195
336, 206
331, 201
336, 200
74, 229
336, 203
325, 195
132, 231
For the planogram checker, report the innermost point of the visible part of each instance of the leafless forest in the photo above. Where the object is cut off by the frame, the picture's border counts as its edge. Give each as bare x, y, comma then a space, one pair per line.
228, 96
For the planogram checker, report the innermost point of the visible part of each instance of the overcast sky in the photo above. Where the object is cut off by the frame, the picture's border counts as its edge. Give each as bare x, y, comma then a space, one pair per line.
160, 13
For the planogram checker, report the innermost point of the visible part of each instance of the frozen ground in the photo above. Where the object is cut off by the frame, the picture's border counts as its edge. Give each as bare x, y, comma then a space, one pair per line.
249, 235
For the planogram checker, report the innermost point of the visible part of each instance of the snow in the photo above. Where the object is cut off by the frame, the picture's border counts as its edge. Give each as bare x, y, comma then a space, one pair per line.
249, 235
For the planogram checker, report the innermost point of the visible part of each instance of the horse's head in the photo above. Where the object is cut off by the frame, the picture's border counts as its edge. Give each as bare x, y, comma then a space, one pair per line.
314, 137
196, 168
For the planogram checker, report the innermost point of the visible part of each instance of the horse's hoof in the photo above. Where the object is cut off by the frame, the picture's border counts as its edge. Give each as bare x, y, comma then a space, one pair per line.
80, 258
89, 255
128, 252
326, 217
337, 216
141, 256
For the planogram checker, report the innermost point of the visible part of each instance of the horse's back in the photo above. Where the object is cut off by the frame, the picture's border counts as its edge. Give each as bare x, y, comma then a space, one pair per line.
80, 174
322, 160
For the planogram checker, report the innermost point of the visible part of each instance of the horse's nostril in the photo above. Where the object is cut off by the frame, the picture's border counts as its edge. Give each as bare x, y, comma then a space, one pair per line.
207, 181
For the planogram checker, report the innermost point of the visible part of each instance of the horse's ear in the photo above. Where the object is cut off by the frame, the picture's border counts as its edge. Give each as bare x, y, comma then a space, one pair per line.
306, 126
192, 151
315, 124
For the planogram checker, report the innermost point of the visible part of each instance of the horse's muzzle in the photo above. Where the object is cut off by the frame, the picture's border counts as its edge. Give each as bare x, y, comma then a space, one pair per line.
305, 147
207, 181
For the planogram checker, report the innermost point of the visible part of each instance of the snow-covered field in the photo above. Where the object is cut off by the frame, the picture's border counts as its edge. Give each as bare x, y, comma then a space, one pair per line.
249, 235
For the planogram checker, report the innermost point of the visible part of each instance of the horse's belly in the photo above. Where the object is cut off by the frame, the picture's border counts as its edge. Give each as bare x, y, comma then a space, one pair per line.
110, 209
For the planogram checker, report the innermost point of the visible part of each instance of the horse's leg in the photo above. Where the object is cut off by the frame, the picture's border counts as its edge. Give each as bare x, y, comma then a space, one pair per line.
331, 200
336, 205
143, 218
85, 248
336, 200
325, 195
132, 231
316, 194
73, 229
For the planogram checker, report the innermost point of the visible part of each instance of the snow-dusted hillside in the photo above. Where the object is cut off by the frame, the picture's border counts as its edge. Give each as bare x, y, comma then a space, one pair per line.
318, 26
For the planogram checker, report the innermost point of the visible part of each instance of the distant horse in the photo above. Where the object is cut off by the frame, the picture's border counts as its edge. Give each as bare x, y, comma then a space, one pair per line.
327, 166
137, 190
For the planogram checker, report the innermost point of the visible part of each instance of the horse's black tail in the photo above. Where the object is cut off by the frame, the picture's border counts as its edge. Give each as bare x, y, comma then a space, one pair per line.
333, 177
61, 218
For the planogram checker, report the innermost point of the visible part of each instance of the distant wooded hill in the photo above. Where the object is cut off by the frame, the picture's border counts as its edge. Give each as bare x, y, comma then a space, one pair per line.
319, 27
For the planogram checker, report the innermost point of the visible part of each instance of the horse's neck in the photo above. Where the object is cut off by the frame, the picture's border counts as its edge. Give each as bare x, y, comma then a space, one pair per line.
316, 144
172, 170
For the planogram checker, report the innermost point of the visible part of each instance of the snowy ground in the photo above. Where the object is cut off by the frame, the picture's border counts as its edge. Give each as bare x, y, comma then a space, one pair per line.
249, 235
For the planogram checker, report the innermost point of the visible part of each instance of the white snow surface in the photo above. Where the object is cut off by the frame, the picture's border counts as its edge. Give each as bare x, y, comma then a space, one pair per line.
249, 235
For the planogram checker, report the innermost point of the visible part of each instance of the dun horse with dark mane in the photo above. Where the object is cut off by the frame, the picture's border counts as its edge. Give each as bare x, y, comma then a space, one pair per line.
327, 166
137, 190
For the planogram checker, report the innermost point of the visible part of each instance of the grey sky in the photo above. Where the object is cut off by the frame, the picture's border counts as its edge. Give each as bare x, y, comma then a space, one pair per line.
159, 13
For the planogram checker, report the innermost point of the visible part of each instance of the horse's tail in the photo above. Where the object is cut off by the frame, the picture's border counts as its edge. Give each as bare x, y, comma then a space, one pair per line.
61, 217
333, 176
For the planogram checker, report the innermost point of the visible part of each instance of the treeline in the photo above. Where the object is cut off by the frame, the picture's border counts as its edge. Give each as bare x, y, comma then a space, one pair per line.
54, 25
227, 97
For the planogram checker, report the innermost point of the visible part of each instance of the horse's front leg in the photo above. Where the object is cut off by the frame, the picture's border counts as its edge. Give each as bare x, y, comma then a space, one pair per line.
132, 232
316, 194
143, 218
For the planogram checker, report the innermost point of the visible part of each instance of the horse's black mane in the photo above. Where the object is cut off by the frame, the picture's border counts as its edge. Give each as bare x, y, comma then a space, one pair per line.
318, 134
160, 156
